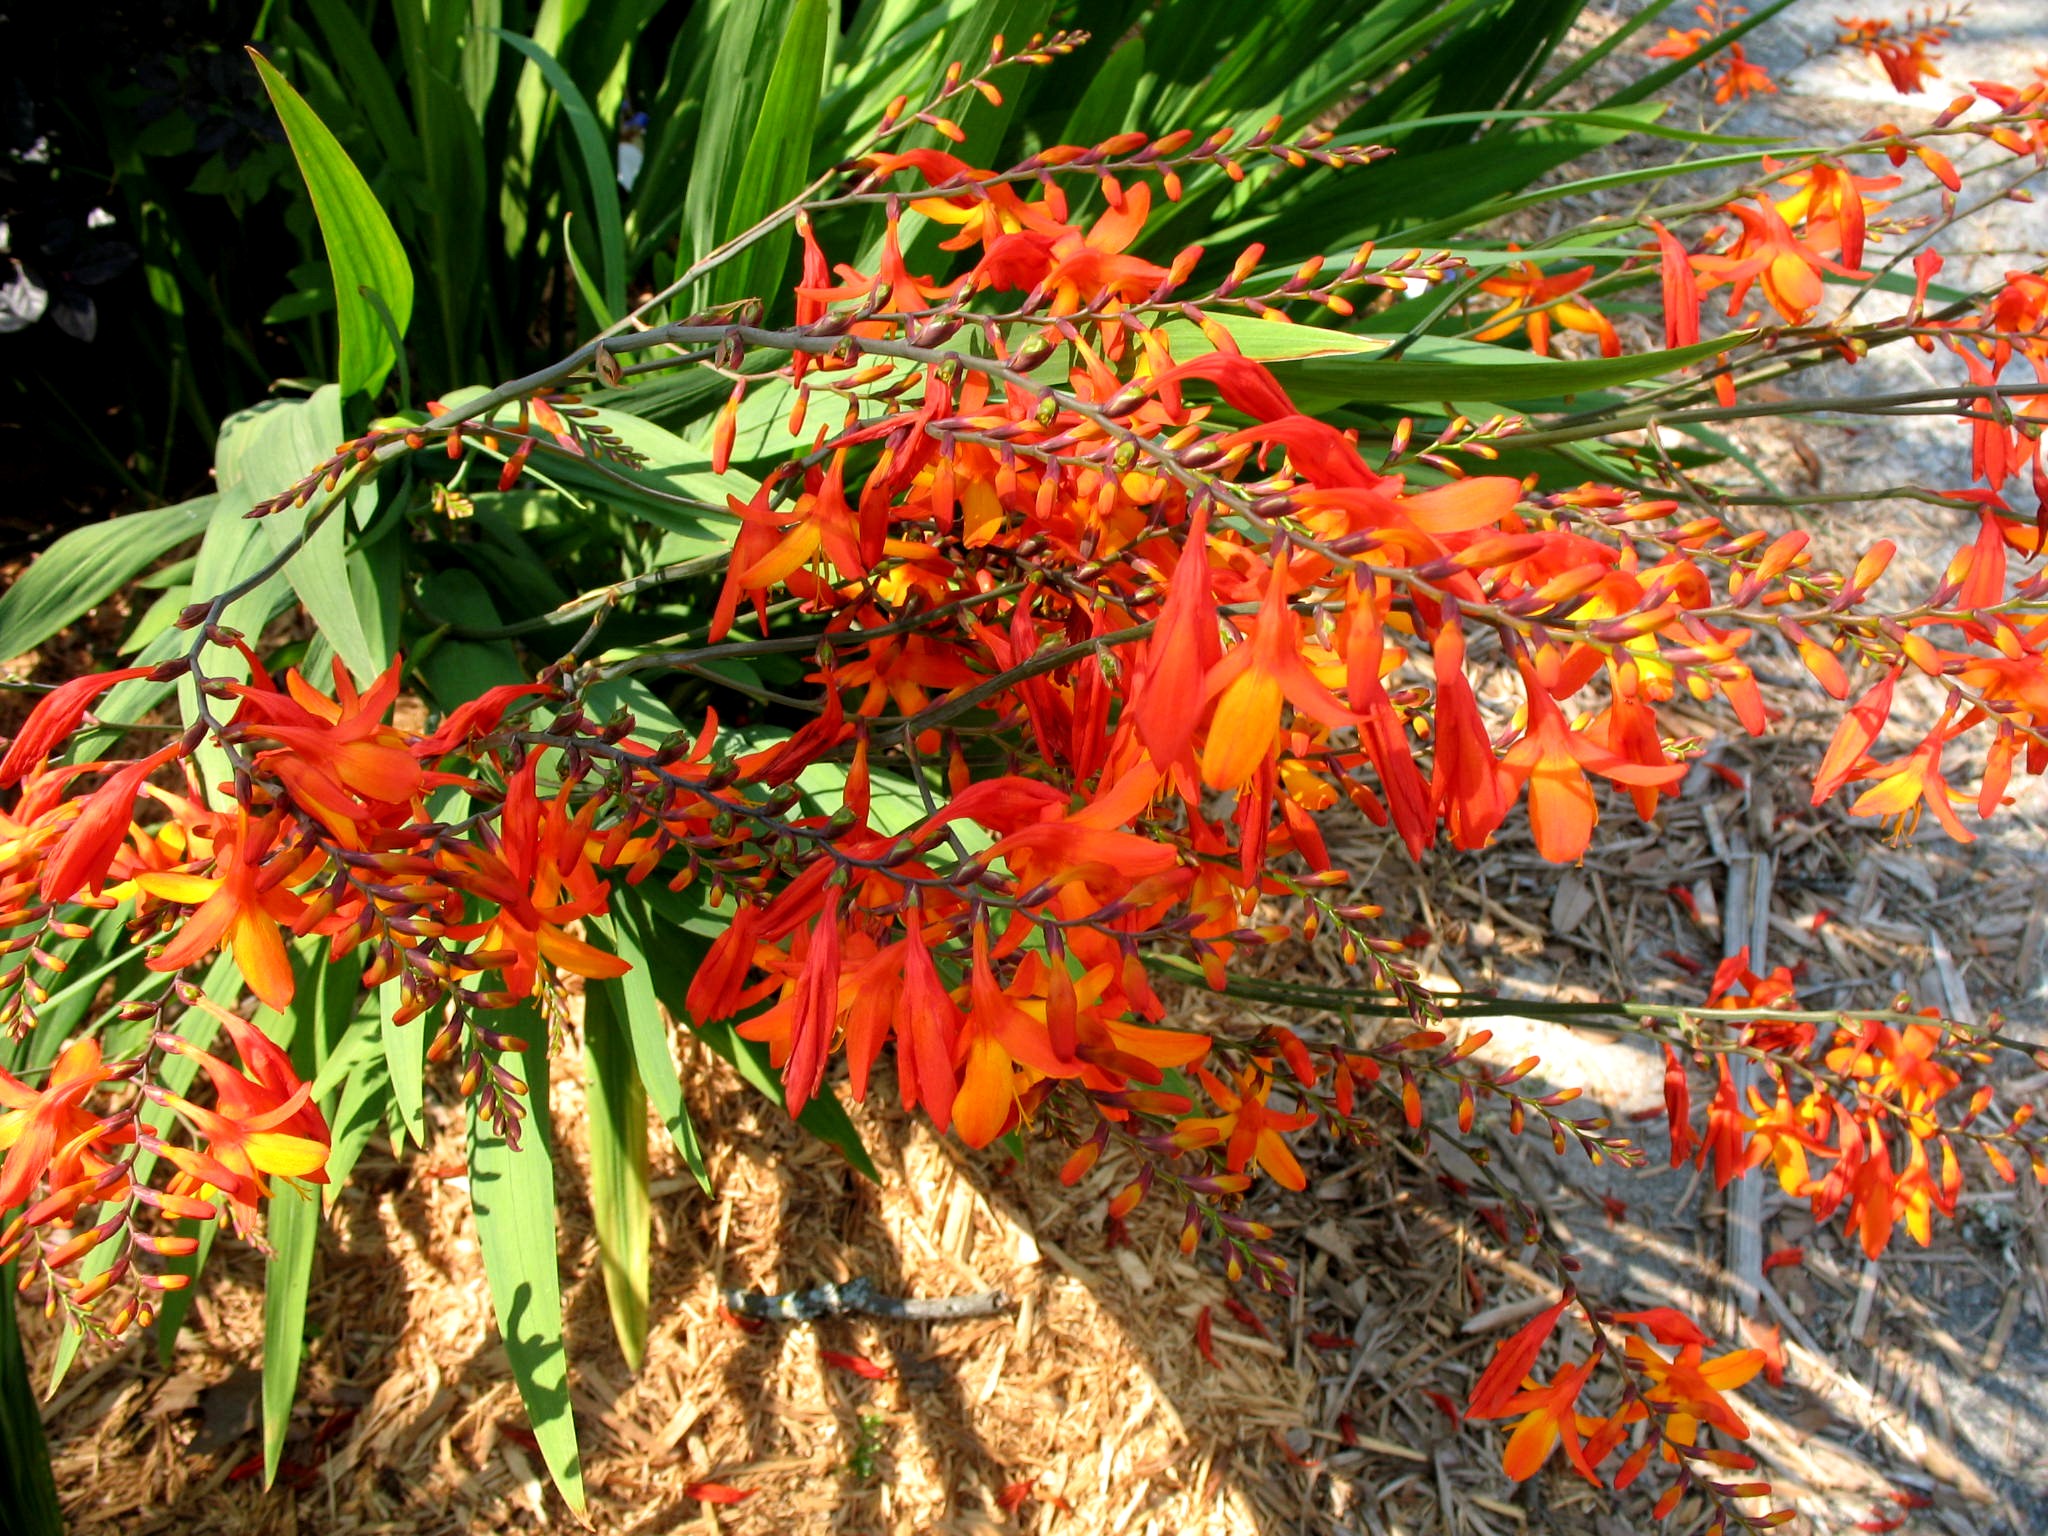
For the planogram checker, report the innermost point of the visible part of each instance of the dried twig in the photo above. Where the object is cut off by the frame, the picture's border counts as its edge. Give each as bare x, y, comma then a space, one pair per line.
860, 1298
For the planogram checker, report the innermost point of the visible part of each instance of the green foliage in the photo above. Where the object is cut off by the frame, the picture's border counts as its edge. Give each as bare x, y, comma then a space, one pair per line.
28, 1492
89, 564
616, 1117
458, 162
512, 1196
362, 248
475, 144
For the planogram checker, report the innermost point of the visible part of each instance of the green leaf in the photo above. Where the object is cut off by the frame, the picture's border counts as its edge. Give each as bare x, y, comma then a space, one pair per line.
1432, 195
744, 54
632, 1000
87, 565
480, 64
586, 285
599, 172
362, 247
1600, 50
365, 1099
405, 1059
28, 1491
675, 489
292, 1230
778, 157
319, 572
293, 1224
357, 1065
461, 669
261, 451
370, 80
616, 1108
1485, 62
1323, 368
512, 1194
1109, 104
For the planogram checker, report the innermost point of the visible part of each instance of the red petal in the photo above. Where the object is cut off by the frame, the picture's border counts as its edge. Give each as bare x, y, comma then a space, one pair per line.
859, 1365
718, 1493
1511, 1365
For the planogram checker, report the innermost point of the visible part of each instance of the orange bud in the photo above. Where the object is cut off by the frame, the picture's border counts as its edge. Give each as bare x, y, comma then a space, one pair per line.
1083, 1158
725, 429
1127, 1199
1944, 171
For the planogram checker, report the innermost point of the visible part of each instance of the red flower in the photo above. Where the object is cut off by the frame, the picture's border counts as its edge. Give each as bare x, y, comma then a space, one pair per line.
56, 715
86, 852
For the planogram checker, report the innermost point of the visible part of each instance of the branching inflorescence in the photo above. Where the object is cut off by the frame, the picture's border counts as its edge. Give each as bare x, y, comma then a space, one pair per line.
1101, 626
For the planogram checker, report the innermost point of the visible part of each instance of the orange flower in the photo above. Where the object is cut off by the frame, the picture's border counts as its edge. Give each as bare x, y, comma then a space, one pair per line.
1249, 1129
1848, 753
1536, 302
1553, 760
50, 1130
1904, 787
1783, 1134
1005, 1031
982, 212
1086, 847
1678, 45
533, 875
902, 292
1074, 270
1251, 681
1768, 251
1507, 1389
822, 520
1830, 202
1903, 56
1741, 77
1692, 1386
263, 1123
240, 905
336, 756
1548, 1416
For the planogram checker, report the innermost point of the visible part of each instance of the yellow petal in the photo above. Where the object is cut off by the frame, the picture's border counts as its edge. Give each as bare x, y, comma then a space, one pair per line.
186, 890
292, 1157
